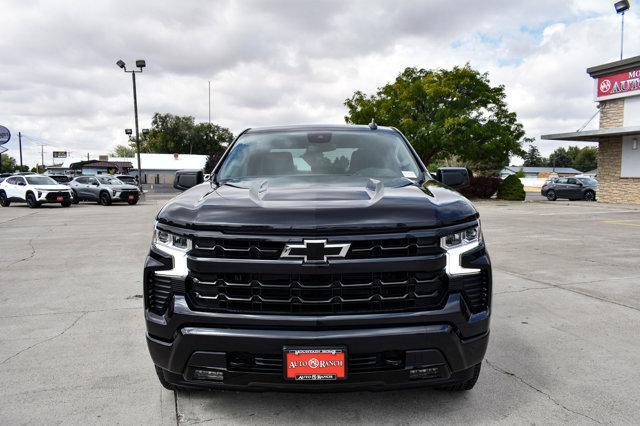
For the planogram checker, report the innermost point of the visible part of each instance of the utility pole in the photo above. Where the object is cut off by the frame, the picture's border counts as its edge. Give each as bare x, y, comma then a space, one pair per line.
42, 156
20, 144
209, 101
622, 37
140, 64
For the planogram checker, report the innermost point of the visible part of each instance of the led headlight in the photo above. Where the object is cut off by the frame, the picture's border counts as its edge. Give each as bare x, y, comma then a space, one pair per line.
166, 239
462, 238
175, 246
457, 244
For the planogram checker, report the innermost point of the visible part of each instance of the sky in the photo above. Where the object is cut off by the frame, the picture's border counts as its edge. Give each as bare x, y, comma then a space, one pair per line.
285, 62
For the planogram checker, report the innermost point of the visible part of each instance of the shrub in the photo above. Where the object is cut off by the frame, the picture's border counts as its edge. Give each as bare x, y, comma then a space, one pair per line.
511, 189
481, 187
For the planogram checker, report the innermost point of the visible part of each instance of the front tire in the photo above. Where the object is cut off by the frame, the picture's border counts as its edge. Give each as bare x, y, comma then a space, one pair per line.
74, 197
551, 195
31, 201
105, 199
4, 201
589, 196
464, 385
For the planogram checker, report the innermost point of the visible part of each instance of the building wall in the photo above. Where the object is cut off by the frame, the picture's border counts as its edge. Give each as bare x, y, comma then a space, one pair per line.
611, 187
612, 113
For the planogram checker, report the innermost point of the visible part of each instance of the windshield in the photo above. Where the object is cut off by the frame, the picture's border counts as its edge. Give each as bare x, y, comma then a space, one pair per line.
380, 154
40, 180
109, 181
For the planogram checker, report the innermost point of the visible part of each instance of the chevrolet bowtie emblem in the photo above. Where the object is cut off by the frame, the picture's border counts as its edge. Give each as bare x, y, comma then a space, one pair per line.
315, 251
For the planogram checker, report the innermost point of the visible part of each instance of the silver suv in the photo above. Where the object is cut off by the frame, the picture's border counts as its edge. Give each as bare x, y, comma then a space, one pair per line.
103, 189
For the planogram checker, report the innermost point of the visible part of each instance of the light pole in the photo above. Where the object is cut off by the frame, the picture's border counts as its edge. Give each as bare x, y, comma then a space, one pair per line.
140, 63
621, 7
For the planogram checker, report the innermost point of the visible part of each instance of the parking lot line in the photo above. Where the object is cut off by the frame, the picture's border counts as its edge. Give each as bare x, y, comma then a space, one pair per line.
625, 222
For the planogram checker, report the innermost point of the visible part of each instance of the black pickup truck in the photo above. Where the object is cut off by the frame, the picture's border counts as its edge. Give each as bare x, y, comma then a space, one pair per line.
318, 258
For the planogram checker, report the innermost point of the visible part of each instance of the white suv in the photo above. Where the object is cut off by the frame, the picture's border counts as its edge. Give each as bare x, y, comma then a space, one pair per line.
34, 190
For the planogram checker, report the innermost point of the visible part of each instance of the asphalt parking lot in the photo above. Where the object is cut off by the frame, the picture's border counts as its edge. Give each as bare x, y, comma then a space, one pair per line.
564, 345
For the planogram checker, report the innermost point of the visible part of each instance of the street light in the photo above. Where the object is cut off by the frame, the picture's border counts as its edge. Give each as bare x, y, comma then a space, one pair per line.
621, 7
140, 63
128, 132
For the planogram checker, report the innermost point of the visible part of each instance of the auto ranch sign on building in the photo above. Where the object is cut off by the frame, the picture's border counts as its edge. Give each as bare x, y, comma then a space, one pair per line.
618, 85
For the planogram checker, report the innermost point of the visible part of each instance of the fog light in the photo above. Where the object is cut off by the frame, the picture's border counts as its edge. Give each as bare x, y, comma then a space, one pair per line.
201, 374
424, 373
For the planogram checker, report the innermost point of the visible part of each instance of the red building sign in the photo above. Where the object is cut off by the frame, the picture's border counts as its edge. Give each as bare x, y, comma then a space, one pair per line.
618, 85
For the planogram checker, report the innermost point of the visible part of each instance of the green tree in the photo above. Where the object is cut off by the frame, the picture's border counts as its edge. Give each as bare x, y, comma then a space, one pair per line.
560, 158
445, 113
172, 134
124, 151
586, 159
532, 158
8, 164
511, 189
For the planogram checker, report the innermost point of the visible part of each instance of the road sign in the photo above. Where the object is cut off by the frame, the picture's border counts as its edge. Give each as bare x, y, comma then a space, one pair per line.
59, 154
5, 135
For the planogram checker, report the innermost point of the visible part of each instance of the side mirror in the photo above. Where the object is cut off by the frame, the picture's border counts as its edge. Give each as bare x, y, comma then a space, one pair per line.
96, 183
186, 179
455, 177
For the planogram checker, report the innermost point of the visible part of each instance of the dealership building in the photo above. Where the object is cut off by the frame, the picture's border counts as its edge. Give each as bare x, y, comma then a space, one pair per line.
617, 91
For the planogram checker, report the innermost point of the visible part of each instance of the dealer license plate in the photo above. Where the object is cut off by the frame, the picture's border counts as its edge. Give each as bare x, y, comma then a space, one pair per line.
315, 364
131, 197
59, 198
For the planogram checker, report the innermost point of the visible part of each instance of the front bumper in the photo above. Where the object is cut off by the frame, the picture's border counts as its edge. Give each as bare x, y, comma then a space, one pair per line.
53, 196
447, 342
124, 196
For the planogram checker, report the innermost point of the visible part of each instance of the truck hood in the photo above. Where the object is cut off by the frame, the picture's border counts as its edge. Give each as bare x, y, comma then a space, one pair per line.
308, 204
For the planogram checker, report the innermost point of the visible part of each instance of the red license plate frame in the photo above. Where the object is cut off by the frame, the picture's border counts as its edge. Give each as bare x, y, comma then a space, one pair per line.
59, 198
314, 364
130, 197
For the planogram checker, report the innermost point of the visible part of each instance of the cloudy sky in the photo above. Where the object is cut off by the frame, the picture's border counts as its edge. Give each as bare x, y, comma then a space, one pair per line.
281, 62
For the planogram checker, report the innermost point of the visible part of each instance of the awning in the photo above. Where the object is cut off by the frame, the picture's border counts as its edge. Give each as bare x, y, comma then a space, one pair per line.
593, 135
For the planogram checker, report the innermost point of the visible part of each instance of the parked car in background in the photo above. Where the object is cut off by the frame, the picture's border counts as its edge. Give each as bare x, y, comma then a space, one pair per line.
103, 189
33, 190
3, 176
62, 179
129, 180
572, 188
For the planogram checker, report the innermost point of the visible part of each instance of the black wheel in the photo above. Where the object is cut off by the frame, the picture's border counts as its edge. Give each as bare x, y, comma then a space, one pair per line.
165, 384
4, 201
65, 203
465, 385
74, 197
31, 201
133, 202
551, 195
589, 196
105, 199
